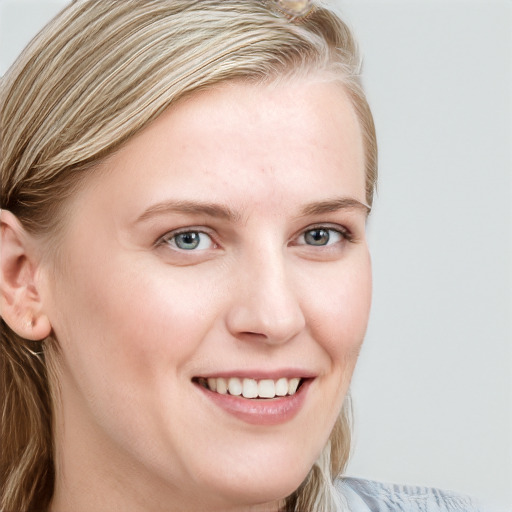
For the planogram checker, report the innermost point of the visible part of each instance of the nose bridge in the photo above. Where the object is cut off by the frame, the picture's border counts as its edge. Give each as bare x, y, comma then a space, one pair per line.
266, 303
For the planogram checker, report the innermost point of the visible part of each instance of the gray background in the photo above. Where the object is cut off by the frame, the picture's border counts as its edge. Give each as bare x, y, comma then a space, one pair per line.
433, 390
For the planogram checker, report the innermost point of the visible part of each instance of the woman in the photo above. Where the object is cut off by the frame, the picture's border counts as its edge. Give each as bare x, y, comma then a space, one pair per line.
185, 276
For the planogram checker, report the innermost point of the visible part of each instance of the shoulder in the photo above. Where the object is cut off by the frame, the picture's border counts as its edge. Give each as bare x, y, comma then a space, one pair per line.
369, 496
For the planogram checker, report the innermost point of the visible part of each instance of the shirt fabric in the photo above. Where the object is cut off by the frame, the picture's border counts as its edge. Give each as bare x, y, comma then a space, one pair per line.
369, 496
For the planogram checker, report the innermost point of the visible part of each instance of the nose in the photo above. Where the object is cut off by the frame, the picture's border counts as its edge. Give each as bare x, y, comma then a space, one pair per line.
266, 305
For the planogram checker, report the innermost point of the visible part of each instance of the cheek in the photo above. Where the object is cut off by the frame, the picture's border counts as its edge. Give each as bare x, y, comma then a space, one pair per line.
126, 338
129, 319
339, 310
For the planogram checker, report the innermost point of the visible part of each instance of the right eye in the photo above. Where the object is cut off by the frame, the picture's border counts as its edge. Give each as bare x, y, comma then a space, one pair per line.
320, 237
188, 241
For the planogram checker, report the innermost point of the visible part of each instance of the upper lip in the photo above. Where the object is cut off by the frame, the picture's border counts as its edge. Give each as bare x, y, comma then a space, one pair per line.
258, 374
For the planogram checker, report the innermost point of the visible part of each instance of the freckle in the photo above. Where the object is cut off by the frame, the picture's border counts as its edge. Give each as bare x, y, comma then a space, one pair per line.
267, 170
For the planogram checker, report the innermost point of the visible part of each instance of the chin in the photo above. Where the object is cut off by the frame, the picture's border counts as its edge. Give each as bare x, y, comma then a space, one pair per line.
270, 484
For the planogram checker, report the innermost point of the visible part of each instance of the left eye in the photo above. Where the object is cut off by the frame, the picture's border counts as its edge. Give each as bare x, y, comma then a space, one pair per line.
190, 241
320, 237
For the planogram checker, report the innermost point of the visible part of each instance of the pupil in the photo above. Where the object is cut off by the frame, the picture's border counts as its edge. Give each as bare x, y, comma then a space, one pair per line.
317, 237
187, 240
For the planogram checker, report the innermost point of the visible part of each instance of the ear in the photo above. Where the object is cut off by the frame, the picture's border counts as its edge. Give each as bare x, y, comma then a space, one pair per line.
20, 301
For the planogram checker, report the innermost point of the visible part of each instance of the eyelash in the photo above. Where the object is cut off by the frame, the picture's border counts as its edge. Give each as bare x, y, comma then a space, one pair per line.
169, 237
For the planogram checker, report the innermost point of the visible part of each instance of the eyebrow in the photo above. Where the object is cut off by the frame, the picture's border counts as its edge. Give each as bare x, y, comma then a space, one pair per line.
190, 208
226, 213
334, 205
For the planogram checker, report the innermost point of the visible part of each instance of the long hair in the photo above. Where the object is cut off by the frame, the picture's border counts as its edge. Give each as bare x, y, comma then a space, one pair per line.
100, 72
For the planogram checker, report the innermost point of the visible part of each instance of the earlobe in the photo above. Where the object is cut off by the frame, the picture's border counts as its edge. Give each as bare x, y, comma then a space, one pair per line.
20, 300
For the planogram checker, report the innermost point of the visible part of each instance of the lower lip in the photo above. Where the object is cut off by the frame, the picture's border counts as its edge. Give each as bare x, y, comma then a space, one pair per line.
270, 411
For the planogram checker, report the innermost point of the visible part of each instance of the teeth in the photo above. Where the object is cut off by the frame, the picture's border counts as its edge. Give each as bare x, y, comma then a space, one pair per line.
222, 386
282, 387
293, 384
266, 388
251, 388
234, 386
212, 384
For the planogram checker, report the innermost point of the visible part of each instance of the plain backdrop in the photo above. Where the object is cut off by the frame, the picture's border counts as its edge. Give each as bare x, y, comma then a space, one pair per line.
433, 390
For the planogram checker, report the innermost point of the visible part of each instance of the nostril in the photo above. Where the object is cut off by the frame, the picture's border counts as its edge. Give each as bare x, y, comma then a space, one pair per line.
250, 335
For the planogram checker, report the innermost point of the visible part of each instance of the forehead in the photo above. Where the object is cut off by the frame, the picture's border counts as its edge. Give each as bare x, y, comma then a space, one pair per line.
319, 110
238, 138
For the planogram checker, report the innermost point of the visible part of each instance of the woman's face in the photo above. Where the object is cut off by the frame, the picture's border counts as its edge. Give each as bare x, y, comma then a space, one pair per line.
224, 245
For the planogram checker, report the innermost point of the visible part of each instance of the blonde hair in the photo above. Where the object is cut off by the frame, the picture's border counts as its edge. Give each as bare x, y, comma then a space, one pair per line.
96, 75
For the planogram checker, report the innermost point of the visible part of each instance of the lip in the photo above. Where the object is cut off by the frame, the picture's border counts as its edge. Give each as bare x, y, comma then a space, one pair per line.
260, 411
288, 373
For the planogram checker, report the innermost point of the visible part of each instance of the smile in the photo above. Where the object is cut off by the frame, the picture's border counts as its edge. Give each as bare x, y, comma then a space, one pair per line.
257, 401
252, 388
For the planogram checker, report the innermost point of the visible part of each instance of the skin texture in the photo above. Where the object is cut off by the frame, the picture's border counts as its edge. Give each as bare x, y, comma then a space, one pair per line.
137, 318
